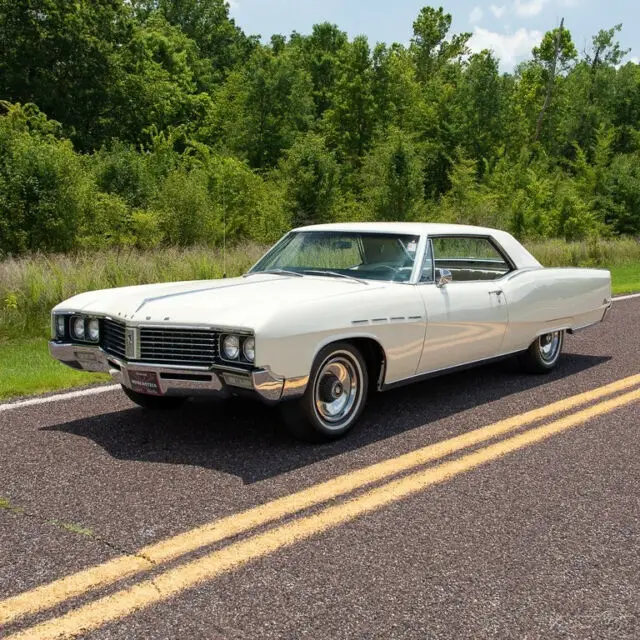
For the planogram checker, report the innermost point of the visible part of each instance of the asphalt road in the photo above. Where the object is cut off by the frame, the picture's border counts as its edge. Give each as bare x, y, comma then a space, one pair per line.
527, 529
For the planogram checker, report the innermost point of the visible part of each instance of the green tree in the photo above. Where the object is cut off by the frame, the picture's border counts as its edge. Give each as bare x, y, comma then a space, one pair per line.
309, 175
60, 55
429, 44
396, 91
482, 101
220, 41
349, 123
261, 109
392, 179
45, 192
158, 86
321, 51
554, 55
468, 201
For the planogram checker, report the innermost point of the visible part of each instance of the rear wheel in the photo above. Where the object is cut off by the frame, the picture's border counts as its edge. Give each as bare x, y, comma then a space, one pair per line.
154, 403
543, 354
334, 398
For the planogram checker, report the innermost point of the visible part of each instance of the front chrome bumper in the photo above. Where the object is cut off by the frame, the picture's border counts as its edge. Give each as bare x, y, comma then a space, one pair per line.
174, 380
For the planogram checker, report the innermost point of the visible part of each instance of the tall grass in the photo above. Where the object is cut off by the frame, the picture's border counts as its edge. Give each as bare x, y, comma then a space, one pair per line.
31, 286
593, 253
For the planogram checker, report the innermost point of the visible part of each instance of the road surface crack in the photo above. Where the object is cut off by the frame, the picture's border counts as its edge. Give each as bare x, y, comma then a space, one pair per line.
74, 528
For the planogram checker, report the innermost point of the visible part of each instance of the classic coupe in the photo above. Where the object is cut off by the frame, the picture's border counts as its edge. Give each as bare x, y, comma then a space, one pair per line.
329, 314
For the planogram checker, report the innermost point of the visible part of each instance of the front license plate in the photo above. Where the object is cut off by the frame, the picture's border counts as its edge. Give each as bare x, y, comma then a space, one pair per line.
145, 382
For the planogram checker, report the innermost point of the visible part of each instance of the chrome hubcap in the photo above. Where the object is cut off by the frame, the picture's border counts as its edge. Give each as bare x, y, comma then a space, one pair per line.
337, 389
550, 346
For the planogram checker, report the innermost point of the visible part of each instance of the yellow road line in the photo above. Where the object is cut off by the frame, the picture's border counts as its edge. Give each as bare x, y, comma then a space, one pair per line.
58, 591
174, 581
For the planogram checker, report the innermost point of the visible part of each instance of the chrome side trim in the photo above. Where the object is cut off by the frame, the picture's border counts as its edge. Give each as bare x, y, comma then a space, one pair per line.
441, 372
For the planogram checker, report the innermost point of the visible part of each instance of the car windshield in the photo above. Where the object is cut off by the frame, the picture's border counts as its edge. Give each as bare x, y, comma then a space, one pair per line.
367, 256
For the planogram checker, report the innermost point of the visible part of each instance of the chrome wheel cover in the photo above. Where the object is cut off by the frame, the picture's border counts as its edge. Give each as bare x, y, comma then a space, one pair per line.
549, 346
337, 390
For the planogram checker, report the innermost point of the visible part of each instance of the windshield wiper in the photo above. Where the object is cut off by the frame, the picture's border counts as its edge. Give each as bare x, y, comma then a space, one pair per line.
275, 272
334, 274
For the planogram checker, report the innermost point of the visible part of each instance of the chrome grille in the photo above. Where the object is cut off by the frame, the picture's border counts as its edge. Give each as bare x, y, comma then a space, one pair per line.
197, 347
113, 341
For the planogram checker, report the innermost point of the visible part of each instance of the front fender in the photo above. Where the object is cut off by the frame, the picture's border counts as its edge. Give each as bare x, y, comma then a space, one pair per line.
293, 356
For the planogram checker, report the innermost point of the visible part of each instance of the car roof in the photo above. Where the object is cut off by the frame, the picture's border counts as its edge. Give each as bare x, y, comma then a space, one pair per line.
518, 254
415, 228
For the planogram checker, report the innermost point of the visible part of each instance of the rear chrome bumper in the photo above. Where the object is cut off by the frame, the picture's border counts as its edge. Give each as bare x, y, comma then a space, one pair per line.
174, 380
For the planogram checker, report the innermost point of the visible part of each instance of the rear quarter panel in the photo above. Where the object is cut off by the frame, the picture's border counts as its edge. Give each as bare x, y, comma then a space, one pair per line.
544, 300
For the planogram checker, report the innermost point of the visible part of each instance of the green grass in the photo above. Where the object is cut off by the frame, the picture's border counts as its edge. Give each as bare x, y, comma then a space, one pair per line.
6, 505
626, 278
592, 253
26, 368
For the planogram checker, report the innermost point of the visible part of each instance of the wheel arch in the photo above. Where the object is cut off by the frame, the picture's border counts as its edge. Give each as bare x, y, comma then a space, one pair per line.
372, 351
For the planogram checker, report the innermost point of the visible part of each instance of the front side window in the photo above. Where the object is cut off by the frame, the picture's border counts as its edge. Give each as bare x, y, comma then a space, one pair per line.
369, 256
469, 259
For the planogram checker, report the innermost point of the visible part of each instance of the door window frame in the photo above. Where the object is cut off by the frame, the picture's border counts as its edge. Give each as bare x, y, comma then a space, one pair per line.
429, 254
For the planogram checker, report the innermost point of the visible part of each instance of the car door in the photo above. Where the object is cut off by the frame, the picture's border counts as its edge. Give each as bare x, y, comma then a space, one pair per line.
467, 317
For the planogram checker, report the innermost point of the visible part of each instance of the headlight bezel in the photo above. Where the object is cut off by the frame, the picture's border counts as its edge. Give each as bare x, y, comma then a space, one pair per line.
240, 357
85, 321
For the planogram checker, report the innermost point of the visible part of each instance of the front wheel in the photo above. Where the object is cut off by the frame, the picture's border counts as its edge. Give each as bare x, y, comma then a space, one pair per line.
334, 398
543, 354
155, 403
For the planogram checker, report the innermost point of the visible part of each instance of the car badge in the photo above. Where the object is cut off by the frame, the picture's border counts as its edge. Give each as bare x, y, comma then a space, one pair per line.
130, 343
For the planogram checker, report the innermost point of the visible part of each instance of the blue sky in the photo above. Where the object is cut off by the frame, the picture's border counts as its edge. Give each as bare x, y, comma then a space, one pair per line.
511, 28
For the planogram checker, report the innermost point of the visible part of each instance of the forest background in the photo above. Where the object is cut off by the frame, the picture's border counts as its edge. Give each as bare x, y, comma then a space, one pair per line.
130, 129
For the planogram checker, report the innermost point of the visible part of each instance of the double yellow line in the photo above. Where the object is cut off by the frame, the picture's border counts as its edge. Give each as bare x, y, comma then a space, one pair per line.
397, 479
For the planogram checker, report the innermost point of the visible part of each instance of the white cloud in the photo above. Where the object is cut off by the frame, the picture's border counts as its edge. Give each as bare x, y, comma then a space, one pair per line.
476, 15
529, 9
509, 47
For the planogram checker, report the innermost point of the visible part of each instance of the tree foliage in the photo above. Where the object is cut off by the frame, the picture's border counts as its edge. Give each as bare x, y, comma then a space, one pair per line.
140, 122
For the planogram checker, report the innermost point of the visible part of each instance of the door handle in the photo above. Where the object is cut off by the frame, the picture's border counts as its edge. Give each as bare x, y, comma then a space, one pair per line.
497, 292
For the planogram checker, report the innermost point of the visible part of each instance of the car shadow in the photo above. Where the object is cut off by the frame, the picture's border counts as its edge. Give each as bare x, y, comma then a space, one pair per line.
246, 439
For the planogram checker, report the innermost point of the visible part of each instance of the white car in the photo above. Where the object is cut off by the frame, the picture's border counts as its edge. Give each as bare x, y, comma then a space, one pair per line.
330, 313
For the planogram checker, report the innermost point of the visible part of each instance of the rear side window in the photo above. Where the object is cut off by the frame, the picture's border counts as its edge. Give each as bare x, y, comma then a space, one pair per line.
469, 259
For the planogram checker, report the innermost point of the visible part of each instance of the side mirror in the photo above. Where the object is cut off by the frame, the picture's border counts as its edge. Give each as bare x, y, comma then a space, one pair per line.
443, 277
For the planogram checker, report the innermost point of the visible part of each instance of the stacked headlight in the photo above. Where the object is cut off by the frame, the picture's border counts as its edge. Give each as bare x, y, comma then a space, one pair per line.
238, 348
231, 347
78, 328
84, 329
249, 349
93, 329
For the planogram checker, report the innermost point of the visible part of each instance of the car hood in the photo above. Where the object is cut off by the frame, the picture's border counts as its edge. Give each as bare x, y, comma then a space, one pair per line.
234, 302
